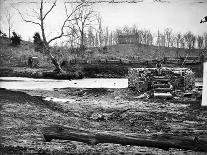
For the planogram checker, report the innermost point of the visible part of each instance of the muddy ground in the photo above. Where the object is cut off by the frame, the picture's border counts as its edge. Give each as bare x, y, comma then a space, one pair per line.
23, 114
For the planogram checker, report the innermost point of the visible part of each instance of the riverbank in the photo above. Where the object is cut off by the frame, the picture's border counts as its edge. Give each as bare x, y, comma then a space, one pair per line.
72, 72
44, 72
24, 113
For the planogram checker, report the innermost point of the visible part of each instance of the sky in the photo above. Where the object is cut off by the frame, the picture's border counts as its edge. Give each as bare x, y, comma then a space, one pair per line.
179, 15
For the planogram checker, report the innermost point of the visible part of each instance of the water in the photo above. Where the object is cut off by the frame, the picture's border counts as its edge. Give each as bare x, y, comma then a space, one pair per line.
50, 84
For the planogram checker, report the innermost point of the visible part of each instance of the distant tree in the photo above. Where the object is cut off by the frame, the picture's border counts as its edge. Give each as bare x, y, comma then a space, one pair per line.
39, 47
159, 39
168, 36
189, 40
173, 41
15, 39
84, 18
73, 39
163, 39
116, 36
200, 40
9, 22
178, 37
106, 36
96, 40
100, 31
149, 37
205, 40
111, 39
182, 42
91, 37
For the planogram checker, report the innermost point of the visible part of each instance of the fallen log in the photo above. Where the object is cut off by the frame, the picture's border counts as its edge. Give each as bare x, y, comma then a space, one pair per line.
94, 137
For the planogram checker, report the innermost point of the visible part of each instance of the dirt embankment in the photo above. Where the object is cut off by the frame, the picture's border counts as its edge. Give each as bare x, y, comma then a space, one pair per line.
45, 72
23, 116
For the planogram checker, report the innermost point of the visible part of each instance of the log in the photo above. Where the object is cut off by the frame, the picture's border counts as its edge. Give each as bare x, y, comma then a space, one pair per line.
94, 137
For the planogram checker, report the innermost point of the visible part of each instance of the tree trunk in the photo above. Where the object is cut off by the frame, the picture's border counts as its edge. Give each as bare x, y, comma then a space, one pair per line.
82, 48
94, 137
58, 68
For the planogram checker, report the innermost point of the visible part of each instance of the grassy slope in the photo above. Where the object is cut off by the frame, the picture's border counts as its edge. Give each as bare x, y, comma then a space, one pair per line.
151, 52
17, 56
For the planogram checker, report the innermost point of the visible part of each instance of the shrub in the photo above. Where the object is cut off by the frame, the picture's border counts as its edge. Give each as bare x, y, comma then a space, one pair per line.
2, 34
105, 48
38, 42
15, 39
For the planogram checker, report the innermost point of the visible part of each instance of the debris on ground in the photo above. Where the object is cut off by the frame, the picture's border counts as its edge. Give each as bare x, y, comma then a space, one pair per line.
25, 113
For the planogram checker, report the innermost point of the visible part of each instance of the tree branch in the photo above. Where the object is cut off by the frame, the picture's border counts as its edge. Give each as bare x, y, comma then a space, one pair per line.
54, 4
67, 19
28, 21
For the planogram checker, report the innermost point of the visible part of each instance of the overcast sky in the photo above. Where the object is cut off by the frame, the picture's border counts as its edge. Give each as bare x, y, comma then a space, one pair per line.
180, 15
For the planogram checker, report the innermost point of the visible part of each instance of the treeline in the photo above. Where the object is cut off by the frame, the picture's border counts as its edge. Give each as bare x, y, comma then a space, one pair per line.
167, 38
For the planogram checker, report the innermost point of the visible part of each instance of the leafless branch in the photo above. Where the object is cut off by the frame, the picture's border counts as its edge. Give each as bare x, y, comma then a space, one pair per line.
28, 21
64, 23
54, 4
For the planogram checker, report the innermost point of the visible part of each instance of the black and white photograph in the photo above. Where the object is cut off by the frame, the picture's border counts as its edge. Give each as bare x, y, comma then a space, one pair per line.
103, 77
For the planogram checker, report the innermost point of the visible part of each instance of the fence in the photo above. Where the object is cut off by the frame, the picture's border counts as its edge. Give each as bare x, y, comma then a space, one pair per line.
165, 60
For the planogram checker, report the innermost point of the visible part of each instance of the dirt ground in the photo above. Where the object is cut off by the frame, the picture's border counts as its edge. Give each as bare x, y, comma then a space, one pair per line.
23, 114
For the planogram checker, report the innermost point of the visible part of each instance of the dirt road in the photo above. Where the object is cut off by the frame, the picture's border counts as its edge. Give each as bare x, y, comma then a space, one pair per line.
24, 113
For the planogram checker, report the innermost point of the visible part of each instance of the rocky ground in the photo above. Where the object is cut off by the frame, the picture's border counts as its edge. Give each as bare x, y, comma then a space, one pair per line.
23, 114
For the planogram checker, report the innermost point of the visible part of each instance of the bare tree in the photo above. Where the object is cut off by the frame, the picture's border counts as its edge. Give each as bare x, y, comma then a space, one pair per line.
9, 22
111, 39
96, 40
189, 39
100, 31
72, 40
168, 34
106, 36
173, 40
200, 40
84, 17
159, 39
205, 40
41, 23
91, 38
178, 37
182, 42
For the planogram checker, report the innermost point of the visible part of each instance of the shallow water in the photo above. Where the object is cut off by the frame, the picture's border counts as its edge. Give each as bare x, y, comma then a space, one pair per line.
50, 84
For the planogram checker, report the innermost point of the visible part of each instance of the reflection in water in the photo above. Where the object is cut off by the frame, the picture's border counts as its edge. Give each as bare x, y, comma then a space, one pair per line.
49, 84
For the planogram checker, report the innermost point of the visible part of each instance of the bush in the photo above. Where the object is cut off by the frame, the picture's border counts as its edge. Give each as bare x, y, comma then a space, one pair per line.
15, 39
38, 42
2, 34
105, 48
105, 70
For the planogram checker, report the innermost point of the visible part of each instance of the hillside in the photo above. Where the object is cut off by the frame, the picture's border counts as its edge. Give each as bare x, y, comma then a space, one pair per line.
151, 52
18, 55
